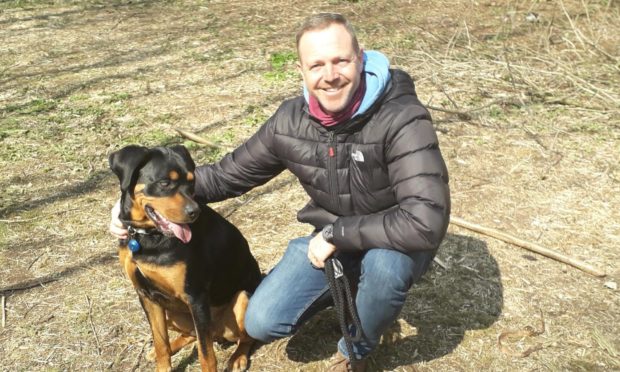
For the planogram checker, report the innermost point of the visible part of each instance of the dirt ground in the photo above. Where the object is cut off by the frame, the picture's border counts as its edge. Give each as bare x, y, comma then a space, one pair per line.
526, 100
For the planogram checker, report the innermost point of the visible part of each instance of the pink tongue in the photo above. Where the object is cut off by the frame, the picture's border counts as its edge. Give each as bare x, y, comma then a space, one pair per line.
182, 232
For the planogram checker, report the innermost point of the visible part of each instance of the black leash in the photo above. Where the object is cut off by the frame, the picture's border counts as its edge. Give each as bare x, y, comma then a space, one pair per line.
344, 302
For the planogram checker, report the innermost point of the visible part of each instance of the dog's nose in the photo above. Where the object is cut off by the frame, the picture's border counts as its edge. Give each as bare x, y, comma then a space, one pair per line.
192, 211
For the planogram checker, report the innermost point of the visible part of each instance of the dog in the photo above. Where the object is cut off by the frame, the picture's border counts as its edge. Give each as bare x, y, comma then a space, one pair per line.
192, 269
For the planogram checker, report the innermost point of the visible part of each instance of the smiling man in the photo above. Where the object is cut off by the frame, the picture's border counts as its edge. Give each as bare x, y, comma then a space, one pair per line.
364, 149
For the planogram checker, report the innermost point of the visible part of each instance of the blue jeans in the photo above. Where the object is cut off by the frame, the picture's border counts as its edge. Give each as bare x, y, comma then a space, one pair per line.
294, 291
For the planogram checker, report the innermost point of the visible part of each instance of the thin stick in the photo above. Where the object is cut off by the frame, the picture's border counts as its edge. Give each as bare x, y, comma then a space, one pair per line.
92, 326
137, 363
196, 138
3, 305
463, 115
527, 245
29, 284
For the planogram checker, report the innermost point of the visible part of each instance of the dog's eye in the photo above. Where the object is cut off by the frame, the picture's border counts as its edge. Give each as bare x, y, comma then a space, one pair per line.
164, 183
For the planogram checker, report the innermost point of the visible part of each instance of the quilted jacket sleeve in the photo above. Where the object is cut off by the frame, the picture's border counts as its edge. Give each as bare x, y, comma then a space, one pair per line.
250, 165
419, 182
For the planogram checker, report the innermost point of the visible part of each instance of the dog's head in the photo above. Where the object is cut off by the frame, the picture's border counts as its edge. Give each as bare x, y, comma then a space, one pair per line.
157, 185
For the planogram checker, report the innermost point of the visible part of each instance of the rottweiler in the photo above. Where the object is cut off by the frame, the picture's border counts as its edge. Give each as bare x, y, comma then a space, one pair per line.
192, 269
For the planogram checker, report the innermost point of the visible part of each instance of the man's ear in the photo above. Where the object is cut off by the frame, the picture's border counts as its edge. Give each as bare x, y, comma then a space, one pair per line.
125, 162
185, 155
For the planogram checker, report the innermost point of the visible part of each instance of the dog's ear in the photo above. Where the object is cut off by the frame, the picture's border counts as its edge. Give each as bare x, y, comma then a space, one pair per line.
125, 161
185, 155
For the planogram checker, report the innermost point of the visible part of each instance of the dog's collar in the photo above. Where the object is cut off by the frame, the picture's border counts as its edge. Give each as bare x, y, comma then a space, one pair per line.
134, 233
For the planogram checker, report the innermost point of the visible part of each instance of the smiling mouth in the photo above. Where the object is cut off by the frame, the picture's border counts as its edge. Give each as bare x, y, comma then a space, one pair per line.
332, 90
167, 227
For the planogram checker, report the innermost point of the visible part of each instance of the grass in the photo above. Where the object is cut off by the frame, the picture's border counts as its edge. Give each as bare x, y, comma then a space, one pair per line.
281, 66
528, 118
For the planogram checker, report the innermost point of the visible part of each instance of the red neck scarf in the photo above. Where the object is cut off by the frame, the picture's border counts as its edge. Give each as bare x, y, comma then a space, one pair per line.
330, 119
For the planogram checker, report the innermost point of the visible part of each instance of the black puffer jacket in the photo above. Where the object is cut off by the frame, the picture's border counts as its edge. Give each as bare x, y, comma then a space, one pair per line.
379, 178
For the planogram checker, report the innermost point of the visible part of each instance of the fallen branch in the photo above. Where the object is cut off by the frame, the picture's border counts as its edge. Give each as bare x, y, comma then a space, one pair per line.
527, 245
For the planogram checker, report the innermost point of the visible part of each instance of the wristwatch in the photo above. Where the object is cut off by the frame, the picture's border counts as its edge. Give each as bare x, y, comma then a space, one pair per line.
328, 233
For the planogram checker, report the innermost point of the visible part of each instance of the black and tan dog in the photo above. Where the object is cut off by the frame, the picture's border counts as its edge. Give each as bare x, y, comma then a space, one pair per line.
192, 269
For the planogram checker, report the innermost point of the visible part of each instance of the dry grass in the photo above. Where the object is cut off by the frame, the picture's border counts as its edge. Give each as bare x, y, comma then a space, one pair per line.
528, 115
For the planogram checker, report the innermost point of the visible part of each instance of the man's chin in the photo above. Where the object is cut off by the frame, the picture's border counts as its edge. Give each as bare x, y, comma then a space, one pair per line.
332, 107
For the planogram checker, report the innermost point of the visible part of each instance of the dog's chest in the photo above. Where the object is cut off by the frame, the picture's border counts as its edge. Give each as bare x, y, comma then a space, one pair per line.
162, 284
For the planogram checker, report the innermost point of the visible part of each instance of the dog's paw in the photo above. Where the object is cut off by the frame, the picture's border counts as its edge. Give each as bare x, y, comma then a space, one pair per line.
237, 363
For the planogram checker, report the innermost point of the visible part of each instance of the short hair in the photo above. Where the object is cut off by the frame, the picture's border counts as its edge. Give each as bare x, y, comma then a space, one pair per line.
321, 21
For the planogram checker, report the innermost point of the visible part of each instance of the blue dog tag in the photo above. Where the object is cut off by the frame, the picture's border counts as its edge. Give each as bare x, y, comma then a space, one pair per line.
133, 245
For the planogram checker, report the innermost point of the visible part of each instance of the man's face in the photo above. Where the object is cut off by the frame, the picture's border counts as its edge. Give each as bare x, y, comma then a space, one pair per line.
330, 67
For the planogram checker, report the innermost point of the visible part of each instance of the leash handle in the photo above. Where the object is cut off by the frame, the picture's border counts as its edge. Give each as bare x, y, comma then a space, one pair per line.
343, 302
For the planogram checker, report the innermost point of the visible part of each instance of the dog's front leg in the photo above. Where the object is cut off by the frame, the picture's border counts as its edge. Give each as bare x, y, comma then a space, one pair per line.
156, 316
201, 314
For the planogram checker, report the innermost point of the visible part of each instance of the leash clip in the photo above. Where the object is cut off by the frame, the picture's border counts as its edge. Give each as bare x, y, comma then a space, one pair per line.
338, 270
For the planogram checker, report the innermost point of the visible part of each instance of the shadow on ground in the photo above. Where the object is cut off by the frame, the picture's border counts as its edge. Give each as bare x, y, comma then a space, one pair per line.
441, 307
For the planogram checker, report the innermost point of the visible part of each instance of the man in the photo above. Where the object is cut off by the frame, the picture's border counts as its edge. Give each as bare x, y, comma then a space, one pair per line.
365, 151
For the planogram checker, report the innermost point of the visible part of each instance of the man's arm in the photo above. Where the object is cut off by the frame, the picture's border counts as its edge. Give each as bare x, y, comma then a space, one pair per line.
250, 165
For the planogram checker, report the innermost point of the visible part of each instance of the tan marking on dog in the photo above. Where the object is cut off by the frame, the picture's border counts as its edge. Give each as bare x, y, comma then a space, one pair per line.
190, 176
174, 175
169, 279
156, 314
171, 207
137, 214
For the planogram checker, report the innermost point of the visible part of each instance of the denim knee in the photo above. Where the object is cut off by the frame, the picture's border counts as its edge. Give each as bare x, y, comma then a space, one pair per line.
263, 326
388, 271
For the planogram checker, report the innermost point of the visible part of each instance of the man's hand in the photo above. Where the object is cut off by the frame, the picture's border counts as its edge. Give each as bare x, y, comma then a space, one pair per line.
319, 250
117, 228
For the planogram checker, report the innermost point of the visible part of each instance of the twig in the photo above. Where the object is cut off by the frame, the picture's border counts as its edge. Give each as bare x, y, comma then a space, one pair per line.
527, 245
463, 115
92, 325
439, 262
528, 331
137, 363
33, 261
20, 221
572, 25
583, 39
196, 138
233, 210
3, 305
28, 284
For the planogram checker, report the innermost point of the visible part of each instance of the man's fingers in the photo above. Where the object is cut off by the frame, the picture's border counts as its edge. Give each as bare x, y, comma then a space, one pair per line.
117, 228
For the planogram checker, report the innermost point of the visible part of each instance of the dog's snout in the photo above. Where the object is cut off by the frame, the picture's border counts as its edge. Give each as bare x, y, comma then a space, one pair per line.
192, 210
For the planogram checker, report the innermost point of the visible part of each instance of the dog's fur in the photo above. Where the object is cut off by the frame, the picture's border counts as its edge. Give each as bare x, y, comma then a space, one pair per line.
194, 271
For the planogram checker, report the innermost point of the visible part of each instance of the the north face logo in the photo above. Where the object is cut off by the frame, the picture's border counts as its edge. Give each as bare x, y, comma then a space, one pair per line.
357, 156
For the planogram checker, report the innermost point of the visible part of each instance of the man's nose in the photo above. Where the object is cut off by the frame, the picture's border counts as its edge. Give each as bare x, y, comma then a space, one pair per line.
330, 72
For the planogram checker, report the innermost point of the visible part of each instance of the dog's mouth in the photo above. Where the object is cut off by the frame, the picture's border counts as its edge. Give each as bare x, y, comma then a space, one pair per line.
167, 227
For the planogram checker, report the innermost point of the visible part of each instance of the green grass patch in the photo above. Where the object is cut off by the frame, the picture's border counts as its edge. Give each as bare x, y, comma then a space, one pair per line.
35, 106
118, 97
282, 66
254, 116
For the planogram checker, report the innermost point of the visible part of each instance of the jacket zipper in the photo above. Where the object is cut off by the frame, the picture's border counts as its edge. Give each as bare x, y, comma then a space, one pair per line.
332, 171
